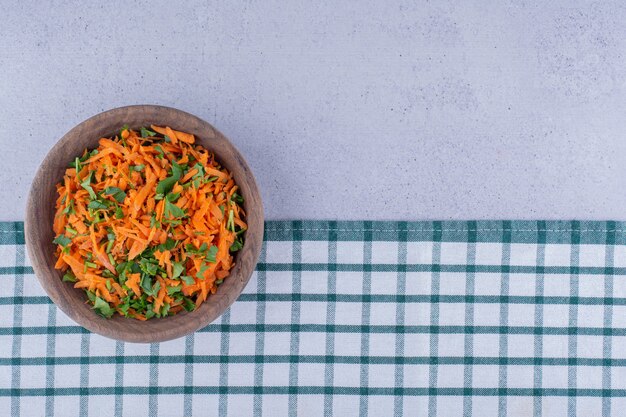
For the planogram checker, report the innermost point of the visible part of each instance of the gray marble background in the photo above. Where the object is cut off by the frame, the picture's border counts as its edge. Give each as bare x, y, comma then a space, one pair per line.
345, 110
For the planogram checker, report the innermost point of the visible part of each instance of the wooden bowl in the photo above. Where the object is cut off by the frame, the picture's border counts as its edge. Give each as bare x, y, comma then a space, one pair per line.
40, 213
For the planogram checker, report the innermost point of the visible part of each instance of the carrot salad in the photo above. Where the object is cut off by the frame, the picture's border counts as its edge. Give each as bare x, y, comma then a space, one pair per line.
147, 223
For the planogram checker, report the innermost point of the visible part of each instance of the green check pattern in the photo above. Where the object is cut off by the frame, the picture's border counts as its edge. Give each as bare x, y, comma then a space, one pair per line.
511, 318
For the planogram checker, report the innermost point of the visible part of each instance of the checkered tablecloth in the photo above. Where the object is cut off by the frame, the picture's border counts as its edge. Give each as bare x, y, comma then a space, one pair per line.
353, 318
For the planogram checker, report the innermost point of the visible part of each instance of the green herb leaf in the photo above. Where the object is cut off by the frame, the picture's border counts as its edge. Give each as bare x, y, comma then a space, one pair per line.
231, 221
154, 222
149, 267
110, 244
211, 254
160, 151
121, 278
98, 204
237, 245
121, 267
177, 269
119, 213
219, 281
168, 245
125, 305
188, 304
145, 133
137, 167
91, 265
69, 277
86, 184
70, 208
96, 216
103, 308
70, 230
164, 186
62, 240
150, 312
172, 210
173, 223
200, 273
155, 289
188, 279
200, 174
174, 290
146, 283
76, 164
117, 193
237, 198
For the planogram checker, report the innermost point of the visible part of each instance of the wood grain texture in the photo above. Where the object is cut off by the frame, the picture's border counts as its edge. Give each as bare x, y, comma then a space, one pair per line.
40, 214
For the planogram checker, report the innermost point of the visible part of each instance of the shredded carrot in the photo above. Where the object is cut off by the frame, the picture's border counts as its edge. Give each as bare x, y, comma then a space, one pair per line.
147, 223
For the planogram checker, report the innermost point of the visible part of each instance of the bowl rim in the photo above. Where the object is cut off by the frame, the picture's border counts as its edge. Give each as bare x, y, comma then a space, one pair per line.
182, 323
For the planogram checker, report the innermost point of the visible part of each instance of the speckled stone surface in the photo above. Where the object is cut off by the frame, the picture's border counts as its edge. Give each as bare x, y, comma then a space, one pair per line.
347, 110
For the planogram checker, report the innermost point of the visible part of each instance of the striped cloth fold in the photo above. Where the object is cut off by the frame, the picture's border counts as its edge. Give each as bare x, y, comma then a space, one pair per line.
509, 318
